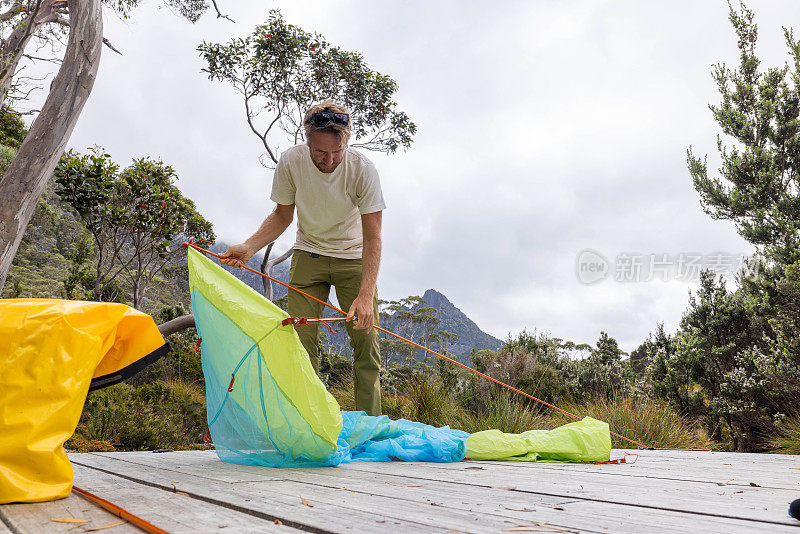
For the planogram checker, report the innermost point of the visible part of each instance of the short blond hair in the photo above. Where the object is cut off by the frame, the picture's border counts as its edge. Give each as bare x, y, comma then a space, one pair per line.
342, 132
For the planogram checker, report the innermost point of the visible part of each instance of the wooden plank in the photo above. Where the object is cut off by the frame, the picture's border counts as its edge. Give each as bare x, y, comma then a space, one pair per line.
283, 501
366, 490
749, 503
34, 518
173, 512
706, 498
718, 471
706, 455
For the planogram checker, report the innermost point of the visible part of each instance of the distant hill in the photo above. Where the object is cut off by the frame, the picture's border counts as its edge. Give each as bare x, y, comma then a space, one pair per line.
470, 336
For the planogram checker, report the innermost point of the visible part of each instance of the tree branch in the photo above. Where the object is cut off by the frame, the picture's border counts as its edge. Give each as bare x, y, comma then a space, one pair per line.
220, 15
266, 267
11, 13
49, 60
255, 131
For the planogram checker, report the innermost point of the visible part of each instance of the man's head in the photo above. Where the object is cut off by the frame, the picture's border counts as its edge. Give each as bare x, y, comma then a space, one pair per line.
327, 127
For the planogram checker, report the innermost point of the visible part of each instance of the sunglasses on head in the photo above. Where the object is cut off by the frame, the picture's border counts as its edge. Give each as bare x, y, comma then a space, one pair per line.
324, 118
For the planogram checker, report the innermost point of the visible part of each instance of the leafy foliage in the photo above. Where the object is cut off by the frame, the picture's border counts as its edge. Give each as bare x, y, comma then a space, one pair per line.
740, 352
281, 70
156, 415
12, 130
760, 185
137, 217
191, 10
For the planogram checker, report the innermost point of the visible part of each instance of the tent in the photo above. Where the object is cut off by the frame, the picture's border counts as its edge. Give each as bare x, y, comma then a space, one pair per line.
266, 405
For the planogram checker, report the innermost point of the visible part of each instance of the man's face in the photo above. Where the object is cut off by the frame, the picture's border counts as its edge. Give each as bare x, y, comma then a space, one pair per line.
325, 151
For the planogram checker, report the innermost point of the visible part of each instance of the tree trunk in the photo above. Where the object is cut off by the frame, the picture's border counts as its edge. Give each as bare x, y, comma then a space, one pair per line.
267, 265
28, 174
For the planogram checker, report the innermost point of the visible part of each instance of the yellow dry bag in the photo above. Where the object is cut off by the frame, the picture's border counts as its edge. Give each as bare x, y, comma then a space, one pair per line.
51, 352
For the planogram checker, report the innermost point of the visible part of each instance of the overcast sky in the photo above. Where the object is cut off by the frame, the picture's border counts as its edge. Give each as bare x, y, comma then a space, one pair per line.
544, 129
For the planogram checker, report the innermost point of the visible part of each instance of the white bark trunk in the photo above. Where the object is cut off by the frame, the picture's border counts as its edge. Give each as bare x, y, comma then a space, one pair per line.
267, 265
28, 174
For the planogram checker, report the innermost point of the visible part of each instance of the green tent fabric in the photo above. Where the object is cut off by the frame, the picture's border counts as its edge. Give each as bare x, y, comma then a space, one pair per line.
587, 440
265, 403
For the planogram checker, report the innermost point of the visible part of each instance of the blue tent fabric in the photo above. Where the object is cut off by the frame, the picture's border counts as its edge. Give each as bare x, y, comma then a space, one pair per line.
367, 438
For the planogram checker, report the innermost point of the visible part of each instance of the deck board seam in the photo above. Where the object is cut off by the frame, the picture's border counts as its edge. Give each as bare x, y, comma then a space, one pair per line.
656, 477
530, 492
7, 522
255, 513
605, 501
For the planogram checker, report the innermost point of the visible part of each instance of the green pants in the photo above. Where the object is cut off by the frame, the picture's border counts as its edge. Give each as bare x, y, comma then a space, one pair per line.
315, 274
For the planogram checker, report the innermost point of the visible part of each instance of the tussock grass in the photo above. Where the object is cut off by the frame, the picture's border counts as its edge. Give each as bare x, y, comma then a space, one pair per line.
786, 439
171, 414
648, 421
429, 401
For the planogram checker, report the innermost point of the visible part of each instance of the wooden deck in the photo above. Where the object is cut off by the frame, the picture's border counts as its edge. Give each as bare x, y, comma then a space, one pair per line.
195, 492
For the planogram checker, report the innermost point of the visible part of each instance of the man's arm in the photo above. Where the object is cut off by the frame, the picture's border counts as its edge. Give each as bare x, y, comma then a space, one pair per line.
272, 227
370, 262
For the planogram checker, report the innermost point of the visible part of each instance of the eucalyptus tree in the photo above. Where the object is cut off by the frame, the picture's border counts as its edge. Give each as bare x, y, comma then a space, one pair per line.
137, 217
280, 70
21, 23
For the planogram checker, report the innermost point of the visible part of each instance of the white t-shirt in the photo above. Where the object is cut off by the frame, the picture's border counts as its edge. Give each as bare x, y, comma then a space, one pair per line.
329, 206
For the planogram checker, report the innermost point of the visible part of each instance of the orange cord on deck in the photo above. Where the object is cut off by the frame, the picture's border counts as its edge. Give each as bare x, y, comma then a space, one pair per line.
389, 332
120, 512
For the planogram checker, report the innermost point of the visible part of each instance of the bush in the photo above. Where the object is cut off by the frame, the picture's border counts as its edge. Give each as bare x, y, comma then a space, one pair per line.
182, 363
169, 414
12, 128
6, 157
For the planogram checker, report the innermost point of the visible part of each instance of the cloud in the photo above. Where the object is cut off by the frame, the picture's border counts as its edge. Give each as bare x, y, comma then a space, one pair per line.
544, 128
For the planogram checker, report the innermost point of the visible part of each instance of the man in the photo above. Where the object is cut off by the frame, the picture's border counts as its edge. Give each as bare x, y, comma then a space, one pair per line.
339, 202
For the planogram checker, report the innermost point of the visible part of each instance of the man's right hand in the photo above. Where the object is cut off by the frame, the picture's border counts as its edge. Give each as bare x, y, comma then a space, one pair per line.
236, 255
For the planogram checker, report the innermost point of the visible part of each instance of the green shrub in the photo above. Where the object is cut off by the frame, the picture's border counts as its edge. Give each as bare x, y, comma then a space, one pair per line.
6, 157
169, 414
12, 128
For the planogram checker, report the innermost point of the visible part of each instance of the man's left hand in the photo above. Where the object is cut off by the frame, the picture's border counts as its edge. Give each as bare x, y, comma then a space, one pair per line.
362, 309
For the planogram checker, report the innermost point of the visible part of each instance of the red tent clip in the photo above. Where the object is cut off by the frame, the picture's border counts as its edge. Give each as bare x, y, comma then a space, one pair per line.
300, 321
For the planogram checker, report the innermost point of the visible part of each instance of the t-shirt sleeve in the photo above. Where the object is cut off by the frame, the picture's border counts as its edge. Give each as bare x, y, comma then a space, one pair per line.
283, 187
369, 195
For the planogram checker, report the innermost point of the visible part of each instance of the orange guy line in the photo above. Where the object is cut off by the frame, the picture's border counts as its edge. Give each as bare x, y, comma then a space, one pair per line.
389, 332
